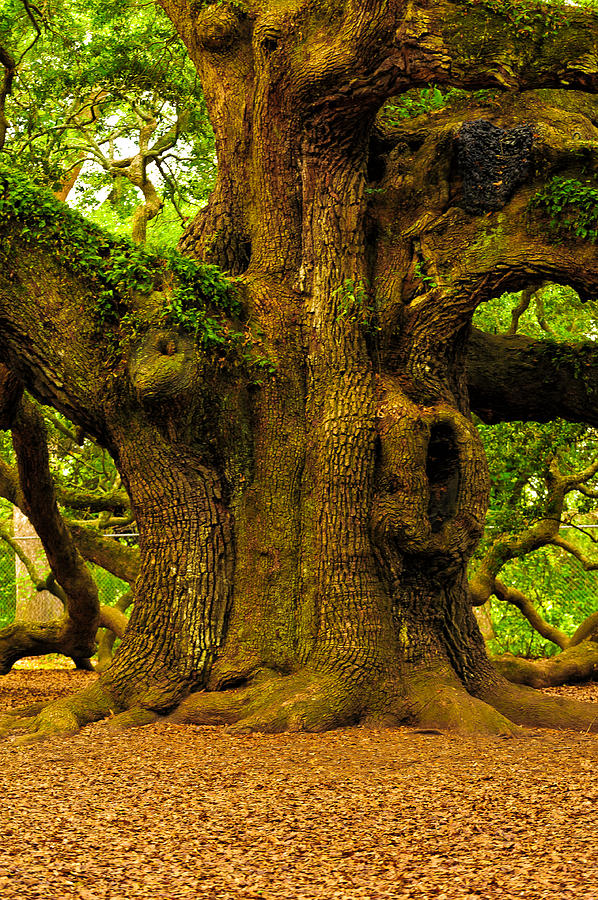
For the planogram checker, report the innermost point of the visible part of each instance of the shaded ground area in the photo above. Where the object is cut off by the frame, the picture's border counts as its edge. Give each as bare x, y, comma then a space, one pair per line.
176, 811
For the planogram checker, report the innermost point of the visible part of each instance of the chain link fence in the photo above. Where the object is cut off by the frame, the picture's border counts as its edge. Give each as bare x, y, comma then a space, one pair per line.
21, 601
562, 591
8, 588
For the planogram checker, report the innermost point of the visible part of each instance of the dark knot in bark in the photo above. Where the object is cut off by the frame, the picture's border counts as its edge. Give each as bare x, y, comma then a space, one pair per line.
493, 162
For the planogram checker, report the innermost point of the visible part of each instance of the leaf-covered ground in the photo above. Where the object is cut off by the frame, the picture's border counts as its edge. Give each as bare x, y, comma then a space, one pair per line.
171, 811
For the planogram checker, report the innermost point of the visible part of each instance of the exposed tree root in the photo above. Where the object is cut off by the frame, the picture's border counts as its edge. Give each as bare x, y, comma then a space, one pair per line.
578, 663
305, 701
133, 718
531, 708
61, 718
439, 700
310, 701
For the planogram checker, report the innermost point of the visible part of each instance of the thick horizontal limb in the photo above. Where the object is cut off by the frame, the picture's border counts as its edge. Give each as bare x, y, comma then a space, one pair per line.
78, 498
515, 378
460, 43
579, 663
28, 639
107, 552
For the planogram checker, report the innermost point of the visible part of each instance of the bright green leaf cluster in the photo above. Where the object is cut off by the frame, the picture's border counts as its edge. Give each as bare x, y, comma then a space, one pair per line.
355, 305
527, 16
571, 206
196, 287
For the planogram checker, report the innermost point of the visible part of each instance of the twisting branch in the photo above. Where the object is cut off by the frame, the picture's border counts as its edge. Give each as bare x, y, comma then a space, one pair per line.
517, 311
526, 607
587, 564
544, 532
74, 635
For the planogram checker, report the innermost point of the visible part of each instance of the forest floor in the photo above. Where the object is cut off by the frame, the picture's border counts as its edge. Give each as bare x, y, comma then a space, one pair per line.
172, 812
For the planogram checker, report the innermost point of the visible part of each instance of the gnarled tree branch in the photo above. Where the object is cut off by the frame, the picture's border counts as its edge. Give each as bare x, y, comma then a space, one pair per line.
75, 634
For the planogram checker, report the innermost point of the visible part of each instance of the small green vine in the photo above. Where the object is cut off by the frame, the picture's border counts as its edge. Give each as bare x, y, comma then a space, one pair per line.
425, 101
563, 354
571, 207
354, 305
194, 296
526, 16
428, 281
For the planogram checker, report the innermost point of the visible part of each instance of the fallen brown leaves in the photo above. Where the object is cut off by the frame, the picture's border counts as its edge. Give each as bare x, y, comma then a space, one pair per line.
172, 812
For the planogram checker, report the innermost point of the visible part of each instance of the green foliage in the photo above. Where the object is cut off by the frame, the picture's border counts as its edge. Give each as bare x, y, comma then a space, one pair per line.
354, 305
518, 456
7, 585
44, 221
427, 280
117, 269
425, 101
570, 205
419, 102
196, 288
555, 309
527, 17
87, 79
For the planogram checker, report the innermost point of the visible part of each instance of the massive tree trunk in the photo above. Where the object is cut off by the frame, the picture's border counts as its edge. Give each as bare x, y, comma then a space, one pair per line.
304, 568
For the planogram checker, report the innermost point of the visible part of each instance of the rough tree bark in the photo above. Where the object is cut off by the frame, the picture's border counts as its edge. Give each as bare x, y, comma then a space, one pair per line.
304, 540
516, 378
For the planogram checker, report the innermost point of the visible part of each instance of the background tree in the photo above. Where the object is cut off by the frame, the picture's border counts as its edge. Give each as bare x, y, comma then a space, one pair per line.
102, 98
542, 479
297, 447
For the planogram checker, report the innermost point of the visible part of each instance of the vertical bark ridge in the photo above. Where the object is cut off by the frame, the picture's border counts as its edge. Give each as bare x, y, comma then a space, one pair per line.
343, 601
268, 515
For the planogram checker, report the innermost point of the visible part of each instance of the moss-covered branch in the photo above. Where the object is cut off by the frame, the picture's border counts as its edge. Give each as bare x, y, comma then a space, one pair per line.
576, 663
106, 552
541, 533
95, 295
78, 498
579, 656
509, 43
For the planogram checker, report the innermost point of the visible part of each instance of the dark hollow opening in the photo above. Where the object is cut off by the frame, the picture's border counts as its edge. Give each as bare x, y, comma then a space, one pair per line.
442, 470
